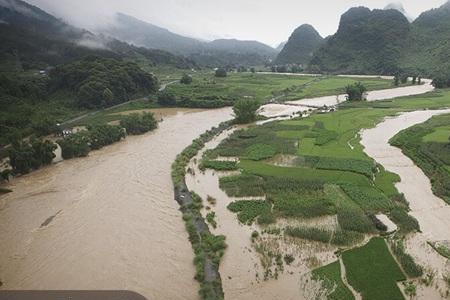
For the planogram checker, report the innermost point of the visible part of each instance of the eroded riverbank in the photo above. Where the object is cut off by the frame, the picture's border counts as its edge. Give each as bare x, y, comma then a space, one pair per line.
115, 225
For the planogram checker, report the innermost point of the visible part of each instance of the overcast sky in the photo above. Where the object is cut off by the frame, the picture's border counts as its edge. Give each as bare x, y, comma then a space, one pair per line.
268, 21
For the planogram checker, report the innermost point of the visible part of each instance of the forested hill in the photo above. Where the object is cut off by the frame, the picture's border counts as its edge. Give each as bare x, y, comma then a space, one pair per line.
34, 39
367, 42
428, 50
301, 46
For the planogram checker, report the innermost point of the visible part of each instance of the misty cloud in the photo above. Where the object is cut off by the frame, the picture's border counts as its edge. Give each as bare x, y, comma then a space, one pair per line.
267, 21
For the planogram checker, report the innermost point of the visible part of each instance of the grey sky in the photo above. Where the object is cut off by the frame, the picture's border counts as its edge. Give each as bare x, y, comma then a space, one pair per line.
268, 21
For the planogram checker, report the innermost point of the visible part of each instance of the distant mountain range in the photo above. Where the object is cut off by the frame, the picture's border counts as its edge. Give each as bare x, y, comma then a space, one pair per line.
140, 33
379, 42
301, 46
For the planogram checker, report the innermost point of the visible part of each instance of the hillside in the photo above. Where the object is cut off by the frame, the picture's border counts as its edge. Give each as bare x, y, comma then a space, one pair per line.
367, 42
34, 39
211, 54
428, 50
301, 46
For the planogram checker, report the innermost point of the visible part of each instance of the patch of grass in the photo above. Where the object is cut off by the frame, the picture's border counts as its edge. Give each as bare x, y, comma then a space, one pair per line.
305, 174
330, 275
368, 198
411, 268
337, 237
248, 210
364, 167
441, 249
218, 165
260, 152
404, 221
210, 218
385, 181
243, 185
373, 272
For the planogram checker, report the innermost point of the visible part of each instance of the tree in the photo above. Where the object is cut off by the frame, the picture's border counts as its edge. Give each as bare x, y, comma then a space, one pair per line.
186, 79
139, 123
396, 80
166, 99
356, 92
44, 125
253, 70
245, 111
221, 72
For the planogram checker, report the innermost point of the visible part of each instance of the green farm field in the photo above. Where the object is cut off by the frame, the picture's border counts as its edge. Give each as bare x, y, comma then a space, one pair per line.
373, 272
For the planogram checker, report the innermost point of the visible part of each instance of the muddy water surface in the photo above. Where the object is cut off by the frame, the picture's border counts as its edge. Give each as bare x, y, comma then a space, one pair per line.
108, 221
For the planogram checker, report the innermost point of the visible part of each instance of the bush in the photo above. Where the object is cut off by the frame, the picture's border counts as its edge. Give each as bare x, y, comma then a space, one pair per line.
139, 123
27, 156
166, 99
221, 72
355, 92
405, 222
186, 79
103, 135
76, 145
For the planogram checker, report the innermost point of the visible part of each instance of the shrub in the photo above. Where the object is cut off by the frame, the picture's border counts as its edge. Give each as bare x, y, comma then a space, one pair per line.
289, 259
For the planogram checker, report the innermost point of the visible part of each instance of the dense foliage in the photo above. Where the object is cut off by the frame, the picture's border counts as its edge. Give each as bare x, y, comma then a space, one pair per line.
102, 82
221, 72
27, 156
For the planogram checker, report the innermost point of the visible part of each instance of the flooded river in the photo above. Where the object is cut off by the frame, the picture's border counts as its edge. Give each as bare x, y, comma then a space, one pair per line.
108, 221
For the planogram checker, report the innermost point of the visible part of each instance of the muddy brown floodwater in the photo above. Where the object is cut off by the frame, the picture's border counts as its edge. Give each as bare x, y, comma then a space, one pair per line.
108, 221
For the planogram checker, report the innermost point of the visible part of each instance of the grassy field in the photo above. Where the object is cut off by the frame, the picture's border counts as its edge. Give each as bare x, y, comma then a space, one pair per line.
330, 275
373, 272
266, 86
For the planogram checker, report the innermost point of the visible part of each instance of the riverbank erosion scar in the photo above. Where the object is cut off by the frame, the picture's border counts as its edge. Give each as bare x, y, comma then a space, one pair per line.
207, 247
